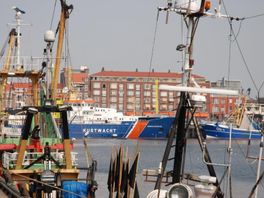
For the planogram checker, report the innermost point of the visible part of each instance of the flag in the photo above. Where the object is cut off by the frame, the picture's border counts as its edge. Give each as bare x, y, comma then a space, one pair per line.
136, 193
133, 172
124, 179
110, 175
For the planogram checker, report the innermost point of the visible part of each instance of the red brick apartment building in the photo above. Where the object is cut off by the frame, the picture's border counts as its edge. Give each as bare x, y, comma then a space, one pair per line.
134, 92
131, 92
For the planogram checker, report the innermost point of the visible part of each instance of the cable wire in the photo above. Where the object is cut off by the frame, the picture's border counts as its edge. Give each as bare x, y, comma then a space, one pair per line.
53, 13
255, 16
154, 41
240, 50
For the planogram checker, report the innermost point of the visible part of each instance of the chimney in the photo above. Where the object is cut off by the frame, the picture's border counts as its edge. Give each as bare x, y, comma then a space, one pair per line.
152, 70
136, 69
102, 69
169, 71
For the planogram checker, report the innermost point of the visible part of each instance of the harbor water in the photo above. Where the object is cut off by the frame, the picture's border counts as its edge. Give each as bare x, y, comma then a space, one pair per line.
243, 170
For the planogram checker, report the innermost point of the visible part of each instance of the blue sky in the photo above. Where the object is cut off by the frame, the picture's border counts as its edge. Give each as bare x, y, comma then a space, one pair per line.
118, 35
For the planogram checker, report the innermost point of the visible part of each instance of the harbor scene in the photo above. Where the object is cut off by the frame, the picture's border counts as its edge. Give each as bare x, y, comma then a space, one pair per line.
160, 101
151, 152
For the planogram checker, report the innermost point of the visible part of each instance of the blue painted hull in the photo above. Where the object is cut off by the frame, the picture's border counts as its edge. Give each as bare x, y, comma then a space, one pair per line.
156, 128
103, 130
223, 131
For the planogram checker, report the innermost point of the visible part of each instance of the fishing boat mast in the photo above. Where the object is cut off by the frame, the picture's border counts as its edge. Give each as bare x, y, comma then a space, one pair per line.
191, 11
65, 13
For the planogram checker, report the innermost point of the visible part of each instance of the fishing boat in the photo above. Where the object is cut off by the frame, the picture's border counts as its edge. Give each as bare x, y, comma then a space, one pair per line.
40, 162
87, 120
247, 124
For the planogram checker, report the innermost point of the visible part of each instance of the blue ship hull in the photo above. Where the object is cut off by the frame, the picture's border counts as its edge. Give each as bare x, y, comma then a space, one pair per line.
223, 131
102, 130
156, 128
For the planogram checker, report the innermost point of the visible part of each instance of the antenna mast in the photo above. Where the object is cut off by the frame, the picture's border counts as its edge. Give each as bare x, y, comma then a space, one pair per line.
191, 10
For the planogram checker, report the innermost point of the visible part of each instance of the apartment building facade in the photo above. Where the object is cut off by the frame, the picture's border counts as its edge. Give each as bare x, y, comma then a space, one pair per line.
137, 92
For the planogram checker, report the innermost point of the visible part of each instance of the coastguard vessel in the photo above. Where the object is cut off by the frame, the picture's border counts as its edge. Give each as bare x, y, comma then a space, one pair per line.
87, 120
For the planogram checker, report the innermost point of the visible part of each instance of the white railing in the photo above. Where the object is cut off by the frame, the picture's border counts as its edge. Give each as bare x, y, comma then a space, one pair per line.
9, 159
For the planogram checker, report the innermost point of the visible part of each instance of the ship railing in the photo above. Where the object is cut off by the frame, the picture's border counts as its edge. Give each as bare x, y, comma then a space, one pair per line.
9, 159
28, 62
11, 132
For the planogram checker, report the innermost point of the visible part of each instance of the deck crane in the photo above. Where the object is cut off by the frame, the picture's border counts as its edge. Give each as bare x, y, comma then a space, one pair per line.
65, 12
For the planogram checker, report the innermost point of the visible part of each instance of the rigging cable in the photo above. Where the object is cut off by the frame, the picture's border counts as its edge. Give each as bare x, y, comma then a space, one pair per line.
255, 16
154, 41
240, 50
53, 13
245, 63
2, 52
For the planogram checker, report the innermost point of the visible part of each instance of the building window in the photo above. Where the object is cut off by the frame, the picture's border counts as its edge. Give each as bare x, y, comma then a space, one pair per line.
131, 99
163, 107
130, 86
120, 100
147, 106
147, 86
121, 93
97, 99
137, 87
96, 92
147, 100
138, 107
120, 107
163, 99
138, 93
215, 110
103, 99
215, 101
113, 85
113, 92
113, 99
147, 93
130, 106
113, 105
163, 93
130, 93
121, 86
96, 85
